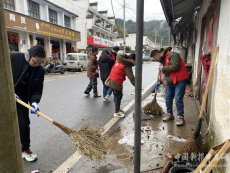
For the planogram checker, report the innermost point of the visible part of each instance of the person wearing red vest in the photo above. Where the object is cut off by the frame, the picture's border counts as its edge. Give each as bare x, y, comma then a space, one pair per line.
176, 75
121, 69
113, 53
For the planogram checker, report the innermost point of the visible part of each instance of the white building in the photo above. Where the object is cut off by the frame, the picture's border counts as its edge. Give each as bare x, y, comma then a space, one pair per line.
131, 41
95, 26
32, 22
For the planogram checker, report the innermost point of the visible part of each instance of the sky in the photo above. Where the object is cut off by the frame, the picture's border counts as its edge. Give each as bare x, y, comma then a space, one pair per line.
152, 8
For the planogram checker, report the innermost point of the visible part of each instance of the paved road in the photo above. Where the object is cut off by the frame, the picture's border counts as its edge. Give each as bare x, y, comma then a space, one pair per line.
63, 100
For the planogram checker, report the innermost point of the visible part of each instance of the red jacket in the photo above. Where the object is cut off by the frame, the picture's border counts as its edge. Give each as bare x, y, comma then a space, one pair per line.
179, 74
113, 55
117, 73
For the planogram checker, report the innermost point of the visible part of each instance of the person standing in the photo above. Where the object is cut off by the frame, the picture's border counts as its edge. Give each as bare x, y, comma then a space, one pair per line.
176, 75
28, 77
105, 63
92, 72
114, 52
121, 69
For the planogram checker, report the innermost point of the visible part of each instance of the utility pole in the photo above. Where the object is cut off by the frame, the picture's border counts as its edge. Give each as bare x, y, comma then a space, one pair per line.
124, 26
138, 86
10, 152
155, 36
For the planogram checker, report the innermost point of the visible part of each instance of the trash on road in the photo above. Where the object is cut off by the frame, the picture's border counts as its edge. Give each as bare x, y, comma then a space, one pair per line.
176, 138
128, 140
35, 171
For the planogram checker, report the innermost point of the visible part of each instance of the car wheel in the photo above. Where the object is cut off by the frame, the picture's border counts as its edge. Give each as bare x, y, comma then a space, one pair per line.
81, 69
63, 71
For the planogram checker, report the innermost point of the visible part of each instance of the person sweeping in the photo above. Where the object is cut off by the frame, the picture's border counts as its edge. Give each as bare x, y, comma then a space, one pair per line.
176, 75
121, 69
28, 77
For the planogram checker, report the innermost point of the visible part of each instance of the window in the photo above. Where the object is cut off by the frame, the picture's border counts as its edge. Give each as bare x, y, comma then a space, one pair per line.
110, 38
9, 4
102, 23
120, 44
67, 21
84, 57
102, 36
52, 16
71, 57
33, 9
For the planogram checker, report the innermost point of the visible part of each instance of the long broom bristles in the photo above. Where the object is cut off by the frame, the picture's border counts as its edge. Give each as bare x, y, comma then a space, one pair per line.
194, 145
154, 108
89, 142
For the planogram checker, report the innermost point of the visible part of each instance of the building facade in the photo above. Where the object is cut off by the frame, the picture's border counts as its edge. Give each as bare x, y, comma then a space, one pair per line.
96, 27
41, 22
200, 31
130, 40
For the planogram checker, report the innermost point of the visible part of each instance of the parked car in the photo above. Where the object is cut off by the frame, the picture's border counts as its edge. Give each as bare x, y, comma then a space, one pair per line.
76, 61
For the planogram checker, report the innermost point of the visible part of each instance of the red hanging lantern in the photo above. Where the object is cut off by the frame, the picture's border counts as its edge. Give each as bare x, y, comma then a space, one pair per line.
16, 39
10, 37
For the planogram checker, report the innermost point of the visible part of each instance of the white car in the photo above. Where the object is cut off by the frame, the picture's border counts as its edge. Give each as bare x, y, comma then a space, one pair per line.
76, 61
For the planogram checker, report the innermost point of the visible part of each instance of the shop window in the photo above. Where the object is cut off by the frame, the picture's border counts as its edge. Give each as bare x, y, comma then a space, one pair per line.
67, 21
33, 9
52, 16
9, 4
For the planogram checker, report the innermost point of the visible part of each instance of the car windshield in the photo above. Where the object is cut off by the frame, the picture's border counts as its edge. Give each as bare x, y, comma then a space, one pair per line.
71, 57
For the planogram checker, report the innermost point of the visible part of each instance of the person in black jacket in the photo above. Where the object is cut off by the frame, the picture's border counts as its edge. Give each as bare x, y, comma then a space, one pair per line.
113, 53
105, 63
28, 77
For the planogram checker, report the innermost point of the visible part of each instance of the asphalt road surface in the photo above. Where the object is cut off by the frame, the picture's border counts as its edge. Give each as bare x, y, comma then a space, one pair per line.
63, 100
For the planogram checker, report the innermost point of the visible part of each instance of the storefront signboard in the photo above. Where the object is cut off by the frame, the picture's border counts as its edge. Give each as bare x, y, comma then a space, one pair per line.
100, 42
22, 22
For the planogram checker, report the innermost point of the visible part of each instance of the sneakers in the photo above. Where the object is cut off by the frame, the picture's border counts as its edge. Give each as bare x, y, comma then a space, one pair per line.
168, 117
96, 95
86, 93
104, 99
180, 121
119, 114
122, 111
29, 155
108, 98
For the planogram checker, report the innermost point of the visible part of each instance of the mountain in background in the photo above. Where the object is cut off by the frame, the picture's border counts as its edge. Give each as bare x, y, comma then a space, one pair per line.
149, 29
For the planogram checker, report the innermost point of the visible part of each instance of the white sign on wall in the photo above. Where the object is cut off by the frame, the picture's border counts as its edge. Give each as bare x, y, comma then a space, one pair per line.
97, 40
104, 42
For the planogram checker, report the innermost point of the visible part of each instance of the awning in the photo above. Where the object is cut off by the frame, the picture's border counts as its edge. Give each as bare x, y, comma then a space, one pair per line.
180, 14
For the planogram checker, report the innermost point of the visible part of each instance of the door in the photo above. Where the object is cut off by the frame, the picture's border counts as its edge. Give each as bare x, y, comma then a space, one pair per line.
85, 59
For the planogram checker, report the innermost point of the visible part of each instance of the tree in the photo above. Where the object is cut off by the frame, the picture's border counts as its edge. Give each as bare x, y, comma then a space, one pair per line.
10, 145
128, 48
120, 30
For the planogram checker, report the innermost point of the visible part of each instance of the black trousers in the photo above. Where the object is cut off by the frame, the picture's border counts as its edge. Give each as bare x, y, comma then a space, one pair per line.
24, 124
117, 100
92, 85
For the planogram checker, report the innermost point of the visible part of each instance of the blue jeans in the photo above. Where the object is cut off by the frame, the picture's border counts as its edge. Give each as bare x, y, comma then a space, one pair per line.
177, 90
106, 90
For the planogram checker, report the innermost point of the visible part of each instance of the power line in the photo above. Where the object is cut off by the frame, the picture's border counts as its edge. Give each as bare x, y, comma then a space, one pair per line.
112, 8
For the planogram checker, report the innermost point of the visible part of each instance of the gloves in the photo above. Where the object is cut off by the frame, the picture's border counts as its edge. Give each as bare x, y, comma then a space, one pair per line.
160, 67
35, 106
157, 85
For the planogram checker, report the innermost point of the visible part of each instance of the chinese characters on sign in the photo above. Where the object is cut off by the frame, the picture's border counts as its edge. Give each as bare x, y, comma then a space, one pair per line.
12, 17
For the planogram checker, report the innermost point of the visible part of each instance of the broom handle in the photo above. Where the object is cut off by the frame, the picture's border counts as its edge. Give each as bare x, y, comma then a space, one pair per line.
209, 80
39, 113
157, 84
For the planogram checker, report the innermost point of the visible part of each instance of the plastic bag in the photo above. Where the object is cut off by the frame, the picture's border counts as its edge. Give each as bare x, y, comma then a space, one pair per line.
128, 140
163, 79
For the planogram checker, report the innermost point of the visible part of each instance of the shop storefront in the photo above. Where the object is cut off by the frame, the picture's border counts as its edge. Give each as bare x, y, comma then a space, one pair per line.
24, 32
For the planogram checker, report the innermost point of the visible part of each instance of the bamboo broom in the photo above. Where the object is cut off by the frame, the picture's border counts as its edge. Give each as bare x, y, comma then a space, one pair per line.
88, 141
153, 107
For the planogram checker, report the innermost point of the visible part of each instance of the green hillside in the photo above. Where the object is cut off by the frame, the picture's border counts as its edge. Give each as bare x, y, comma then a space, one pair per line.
149, 29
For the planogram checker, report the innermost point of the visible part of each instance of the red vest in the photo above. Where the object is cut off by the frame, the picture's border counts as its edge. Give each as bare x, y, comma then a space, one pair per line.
113, 56
179, 74
117, 73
